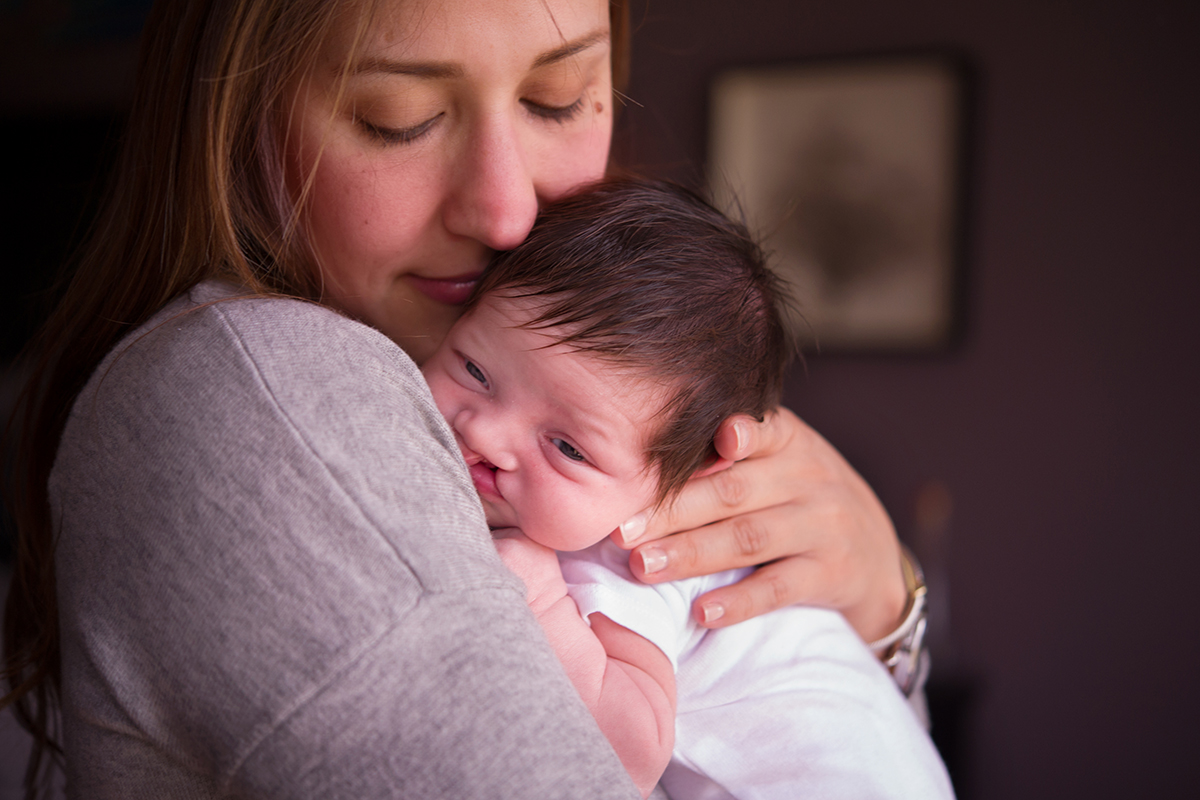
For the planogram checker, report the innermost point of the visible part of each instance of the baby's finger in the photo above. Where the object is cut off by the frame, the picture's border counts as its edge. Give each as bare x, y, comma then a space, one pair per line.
743, 541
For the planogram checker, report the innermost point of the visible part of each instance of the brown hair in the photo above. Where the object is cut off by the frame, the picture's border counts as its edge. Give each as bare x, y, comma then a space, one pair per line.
647, 275
198, 191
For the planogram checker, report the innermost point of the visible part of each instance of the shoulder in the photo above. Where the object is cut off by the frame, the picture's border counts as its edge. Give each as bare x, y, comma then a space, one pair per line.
240, 412
290, 349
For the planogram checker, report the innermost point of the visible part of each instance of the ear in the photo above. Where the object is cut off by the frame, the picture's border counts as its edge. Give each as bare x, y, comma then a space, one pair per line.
714, 463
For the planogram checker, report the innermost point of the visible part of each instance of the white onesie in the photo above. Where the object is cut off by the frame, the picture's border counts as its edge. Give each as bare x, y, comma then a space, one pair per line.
788, 705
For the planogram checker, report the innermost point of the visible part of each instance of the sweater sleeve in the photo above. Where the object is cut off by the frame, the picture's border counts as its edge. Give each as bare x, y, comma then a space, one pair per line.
275, 580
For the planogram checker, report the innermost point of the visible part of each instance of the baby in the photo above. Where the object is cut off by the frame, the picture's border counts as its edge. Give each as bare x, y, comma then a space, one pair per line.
585, 383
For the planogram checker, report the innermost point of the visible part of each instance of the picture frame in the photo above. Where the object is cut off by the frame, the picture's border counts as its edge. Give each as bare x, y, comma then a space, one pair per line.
850, 173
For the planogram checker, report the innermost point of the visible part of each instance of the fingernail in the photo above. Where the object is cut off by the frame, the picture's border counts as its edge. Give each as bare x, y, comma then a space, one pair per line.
712, 612
740, 433
632, 529
653, 560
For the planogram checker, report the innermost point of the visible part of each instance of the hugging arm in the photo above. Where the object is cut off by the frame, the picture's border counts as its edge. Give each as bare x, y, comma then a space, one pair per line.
625, 681
275, 580
792, 503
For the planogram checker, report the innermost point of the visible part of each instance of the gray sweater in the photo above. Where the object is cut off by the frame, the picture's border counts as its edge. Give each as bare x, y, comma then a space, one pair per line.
275, 579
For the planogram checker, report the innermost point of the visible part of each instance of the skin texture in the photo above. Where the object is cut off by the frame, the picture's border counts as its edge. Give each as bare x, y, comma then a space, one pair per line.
463, 117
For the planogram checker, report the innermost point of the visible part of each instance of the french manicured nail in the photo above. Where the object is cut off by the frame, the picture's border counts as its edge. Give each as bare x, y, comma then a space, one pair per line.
741, 432
712, 611
632, 529
653, 560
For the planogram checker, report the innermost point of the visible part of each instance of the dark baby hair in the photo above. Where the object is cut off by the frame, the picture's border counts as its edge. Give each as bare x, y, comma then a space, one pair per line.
647, 275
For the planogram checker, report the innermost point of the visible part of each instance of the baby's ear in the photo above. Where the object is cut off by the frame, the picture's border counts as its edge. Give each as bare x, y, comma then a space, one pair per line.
714, 463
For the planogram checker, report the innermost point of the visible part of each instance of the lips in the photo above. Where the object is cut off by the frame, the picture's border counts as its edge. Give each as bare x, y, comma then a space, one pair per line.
484, 476
452, 291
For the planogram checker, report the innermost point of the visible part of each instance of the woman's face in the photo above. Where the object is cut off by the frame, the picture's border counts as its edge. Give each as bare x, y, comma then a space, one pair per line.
458, 118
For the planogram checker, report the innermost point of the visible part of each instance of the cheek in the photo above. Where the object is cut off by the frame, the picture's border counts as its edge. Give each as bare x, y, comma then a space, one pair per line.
571, 518
442, 387
361, 216
369, 210
580, 160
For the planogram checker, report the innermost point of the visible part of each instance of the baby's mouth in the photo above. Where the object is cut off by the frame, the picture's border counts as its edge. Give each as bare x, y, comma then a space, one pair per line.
484, 476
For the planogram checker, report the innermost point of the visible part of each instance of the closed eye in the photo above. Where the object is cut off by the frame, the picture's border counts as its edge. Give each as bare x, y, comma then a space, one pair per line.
555, 113
567, 450
392, 136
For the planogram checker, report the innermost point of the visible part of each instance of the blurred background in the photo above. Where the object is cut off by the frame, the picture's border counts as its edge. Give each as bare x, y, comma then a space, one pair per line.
1041, 458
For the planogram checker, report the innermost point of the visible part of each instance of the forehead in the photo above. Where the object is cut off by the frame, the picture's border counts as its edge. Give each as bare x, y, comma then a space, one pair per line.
512, 33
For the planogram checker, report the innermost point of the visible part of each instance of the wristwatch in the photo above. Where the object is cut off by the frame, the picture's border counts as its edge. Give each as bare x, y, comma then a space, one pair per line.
902, 650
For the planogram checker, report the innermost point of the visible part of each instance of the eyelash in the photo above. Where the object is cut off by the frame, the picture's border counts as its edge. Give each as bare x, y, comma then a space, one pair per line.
393, 136
402, 135
558, 114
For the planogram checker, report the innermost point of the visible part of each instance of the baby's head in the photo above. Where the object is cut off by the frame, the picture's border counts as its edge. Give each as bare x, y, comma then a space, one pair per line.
596, 361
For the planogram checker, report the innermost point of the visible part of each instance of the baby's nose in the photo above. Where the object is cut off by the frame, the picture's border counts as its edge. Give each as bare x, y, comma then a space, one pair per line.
484, 436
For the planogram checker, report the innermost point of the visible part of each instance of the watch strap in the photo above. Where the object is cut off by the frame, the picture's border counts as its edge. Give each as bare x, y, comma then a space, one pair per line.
902, 651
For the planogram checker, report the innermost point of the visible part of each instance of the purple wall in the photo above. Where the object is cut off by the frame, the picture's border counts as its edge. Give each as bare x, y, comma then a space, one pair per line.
1064, 424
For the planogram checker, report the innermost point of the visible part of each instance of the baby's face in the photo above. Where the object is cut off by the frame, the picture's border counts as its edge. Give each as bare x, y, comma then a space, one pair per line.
555, 439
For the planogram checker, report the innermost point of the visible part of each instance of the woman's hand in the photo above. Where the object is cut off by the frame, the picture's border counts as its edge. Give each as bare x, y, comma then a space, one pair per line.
790, 503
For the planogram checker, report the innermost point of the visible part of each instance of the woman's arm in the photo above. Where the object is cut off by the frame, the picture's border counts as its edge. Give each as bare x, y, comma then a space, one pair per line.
275, 580
625, 681
790, 502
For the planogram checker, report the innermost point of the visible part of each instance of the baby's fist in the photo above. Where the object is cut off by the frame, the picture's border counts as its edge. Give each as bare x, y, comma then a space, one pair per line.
533, 563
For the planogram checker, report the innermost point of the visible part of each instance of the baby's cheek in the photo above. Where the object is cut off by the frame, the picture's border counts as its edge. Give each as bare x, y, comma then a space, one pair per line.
573, 529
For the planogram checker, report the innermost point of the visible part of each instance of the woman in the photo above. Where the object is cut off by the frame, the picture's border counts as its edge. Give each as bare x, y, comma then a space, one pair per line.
272, 575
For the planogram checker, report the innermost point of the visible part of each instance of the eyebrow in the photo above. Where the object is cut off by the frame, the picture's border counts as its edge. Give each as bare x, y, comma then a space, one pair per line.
586, 425
417, 69
571, 48
444, 70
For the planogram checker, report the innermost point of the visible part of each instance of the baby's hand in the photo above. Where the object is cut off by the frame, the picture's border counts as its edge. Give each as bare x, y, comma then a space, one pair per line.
535, 564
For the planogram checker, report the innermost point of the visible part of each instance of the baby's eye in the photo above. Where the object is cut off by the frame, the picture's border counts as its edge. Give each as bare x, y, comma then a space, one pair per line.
567, 450
475, 372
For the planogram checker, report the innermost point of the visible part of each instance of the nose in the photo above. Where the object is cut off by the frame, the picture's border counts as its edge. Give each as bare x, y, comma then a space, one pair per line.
485, 434
493, 198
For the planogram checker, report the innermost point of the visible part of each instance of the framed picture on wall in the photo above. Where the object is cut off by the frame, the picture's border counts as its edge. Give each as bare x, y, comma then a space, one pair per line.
849, 173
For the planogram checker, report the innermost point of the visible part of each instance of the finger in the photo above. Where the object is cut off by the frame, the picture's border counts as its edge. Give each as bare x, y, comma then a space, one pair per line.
740, 436
736, 437
742, 541
744, 487
768, 588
